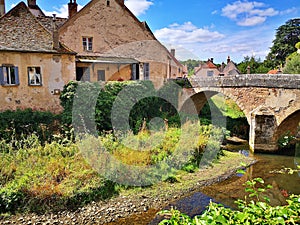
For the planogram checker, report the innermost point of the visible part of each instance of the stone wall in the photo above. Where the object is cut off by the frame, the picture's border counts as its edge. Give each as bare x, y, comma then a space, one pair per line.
56, 71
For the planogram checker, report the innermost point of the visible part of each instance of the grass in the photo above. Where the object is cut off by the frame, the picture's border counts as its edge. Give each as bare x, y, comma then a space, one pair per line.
228, 107
48, 178
55, 177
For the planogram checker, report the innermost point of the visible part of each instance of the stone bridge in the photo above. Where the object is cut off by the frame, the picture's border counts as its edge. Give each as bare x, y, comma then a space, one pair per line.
271, 103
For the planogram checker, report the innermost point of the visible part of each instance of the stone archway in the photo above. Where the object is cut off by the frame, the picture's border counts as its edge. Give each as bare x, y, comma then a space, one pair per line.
289, 125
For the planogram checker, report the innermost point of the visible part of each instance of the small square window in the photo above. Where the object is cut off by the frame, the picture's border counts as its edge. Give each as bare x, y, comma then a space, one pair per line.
34, 76
87, 43
9, 75
210, 73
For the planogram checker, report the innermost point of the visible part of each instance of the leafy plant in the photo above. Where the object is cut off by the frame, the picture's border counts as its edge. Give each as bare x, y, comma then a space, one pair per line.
250, 212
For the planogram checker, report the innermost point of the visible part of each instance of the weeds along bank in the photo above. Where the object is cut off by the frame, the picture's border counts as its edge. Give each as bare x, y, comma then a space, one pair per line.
56, 176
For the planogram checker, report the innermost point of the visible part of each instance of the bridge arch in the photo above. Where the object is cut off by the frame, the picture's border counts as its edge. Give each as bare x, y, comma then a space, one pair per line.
200, 97
290, 124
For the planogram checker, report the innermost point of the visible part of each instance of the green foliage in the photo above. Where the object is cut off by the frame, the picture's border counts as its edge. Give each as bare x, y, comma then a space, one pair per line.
285, 140
121, 95
256, 66
250, 212
191, 64
286, 37
48, 178
15, 125
292, 65
236, 122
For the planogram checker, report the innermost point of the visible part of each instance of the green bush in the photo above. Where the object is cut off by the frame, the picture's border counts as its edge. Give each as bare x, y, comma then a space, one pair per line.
16, 126
101, 98
252, 211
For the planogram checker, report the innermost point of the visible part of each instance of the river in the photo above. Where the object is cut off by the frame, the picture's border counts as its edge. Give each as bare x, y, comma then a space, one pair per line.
228, 191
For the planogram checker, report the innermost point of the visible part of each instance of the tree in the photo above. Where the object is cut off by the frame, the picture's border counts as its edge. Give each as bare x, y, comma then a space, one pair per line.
191, 64
292, 65
286, 37
256, 66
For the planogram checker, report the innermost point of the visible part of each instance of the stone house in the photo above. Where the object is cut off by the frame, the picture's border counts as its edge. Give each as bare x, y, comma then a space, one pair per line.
209, 69
103, 41
33, 66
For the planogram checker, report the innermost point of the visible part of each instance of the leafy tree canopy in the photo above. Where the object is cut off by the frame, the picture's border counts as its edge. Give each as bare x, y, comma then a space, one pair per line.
286, 37
191, 64
256, 65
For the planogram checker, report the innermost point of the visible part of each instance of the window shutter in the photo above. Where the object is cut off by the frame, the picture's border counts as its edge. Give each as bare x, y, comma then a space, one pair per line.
133, 71
146, 71
1, 76
86, 74
17, 75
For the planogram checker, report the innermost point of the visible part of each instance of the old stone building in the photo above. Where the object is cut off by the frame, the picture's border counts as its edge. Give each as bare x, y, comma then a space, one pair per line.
103, 41
33, 65
209, 69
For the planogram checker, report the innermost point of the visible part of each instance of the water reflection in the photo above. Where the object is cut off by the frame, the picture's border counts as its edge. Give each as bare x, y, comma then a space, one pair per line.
232, 189
297, 156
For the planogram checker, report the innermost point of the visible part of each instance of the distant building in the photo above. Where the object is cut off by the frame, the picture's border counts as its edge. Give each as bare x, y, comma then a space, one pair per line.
103, 41
209, 69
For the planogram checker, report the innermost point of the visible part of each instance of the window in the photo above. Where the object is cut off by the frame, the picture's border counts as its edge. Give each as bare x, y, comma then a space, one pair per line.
34, 76
87, 43
83, 74
101, 75
210, 73
146, 71
135, 71
107, 3
9, 75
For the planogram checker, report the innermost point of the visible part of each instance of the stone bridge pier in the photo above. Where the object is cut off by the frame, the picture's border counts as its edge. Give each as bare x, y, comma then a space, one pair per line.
271, 104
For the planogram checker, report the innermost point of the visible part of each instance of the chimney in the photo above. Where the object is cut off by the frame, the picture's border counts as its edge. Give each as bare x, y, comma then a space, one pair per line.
248, 69
31, 3
2, 8
212, 60
173, 52
55, 34
228, 59
72, 6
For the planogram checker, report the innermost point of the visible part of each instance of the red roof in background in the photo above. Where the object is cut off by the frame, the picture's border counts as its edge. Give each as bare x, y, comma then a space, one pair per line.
210, 65
273, 72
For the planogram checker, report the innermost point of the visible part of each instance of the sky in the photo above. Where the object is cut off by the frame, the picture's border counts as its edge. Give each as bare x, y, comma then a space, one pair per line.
202, 29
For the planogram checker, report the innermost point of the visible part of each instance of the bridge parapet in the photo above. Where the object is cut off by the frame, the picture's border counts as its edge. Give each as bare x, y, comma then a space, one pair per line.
287, 81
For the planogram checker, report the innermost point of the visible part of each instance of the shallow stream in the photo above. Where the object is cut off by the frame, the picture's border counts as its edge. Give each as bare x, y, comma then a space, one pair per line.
228, 191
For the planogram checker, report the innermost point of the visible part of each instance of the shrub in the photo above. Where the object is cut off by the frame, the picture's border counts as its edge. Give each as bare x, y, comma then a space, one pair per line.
250, 212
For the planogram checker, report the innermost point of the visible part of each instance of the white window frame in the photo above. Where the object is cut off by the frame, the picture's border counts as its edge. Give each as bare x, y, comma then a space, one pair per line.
34, 76
87, 43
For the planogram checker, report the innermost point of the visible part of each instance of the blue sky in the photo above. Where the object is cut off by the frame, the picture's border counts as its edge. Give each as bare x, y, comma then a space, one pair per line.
205, 29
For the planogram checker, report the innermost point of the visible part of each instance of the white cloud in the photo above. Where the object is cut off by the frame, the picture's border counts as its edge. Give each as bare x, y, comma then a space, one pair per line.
252, 21
292, 10
246, 13
186, 33
237, 45
61, 12
138, 7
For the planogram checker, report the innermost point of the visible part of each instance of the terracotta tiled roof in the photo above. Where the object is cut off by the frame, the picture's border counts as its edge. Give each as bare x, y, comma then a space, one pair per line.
209, 65
273, 72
